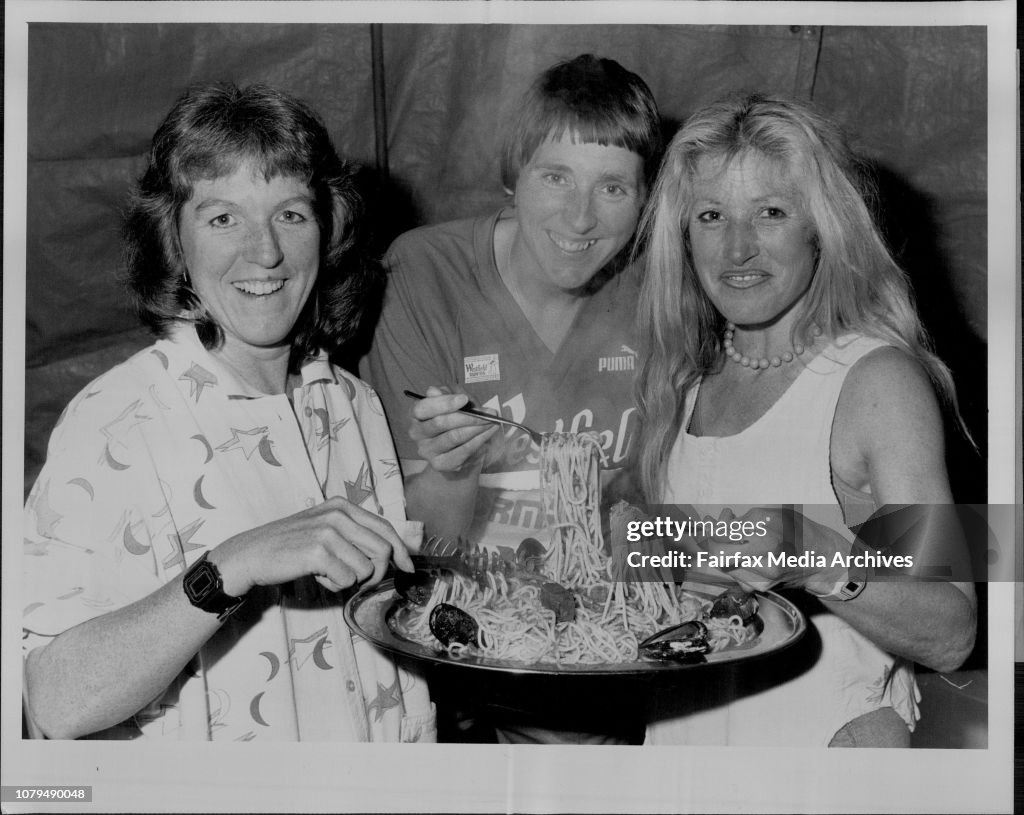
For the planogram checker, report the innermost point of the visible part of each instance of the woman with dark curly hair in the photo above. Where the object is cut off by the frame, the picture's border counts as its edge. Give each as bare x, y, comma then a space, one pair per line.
204, 504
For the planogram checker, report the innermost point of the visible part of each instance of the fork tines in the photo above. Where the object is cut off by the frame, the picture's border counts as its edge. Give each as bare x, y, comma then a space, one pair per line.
440, 546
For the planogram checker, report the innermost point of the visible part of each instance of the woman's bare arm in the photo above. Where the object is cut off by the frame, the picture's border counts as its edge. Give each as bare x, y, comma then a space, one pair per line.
887, 436
889, 426
99, 673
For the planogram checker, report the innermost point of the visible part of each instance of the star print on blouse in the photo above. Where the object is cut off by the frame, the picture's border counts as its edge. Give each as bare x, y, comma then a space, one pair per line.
362, 488
46, 517
198, 378
387, 698
117, 430
181, 542
219, 701
314, 644
326, 431
876, 690
249, 441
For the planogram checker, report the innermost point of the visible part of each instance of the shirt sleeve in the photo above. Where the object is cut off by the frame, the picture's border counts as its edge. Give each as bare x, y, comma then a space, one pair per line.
88, 543
410, 344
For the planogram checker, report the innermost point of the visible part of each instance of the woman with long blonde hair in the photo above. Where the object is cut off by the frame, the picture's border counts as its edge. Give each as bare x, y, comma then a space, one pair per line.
785, 364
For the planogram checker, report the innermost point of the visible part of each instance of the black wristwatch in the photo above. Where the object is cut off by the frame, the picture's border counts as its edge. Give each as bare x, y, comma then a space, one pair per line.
205, 589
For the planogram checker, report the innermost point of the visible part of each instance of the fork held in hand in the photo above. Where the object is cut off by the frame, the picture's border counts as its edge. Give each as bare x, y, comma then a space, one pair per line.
536, 437
469, 559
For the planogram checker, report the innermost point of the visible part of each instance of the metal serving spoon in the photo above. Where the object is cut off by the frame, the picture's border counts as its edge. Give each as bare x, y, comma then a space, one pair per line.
536, 437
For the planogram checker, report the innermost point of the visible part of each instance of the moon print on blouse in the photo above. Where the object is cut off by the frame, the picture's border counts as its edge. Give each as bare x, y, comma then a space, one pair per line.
275, 663
318, 655
301, 650
112, 462
199, 437
154, 395
375, 403
254, 709
131, 543
197, 494
350, 389
160, 355
85, 485
267, 451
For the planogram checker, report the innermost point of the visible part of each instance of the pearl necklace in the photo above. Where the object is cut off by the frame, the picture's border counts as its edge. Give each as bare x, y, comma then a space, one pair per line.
756, 363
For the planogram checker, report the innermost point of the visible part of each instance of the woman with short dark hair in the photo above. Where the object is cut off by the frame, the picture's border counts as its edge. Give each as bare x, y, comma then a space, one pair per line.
527, 311
205, 503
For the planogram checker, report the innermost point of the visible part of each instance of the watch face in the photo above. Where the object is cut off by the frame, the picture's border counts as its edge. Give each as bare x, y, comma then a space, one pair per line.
201, 581
204, 589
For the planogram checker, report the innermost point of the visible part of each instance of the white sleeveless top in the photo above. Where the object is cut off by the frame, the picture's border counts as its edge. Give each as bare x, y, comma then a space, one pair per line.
806, 694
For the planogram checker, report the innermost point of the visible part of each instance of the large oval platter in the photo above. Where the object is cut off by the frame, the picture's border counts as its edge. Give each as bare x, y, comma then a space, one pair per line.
369, 612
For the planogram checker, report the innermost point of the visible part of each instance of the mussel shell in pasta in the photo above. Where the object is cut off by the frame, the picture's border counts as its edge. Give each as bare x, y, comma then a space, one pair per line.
735, 602
687, 642
415, 587
451, 624
530, 555
560, 600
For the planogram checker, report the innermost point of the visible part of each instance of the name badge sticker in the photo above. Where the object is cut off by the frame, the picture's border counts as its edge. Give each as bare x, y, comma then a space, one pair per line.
482, 368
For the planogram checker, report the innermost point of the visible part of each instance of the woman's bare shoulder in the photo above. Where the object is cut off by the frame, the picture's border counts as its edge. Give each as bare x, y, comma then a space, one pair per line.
888, 428
887, 381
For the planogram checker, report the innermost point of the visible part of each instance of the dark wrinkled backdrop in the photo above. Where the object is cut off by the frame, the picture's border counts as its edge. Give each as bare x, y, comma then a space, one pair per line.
914, 99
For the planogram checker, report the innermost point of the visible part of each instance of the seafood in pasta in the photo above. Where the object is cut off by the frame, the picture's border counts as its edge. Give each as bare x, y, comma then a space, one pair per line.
566, 607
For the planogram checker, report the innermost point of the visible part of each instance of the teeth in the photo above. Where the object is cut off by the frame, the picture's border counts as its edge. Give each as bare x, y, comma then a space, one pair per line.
572, 246
259, 287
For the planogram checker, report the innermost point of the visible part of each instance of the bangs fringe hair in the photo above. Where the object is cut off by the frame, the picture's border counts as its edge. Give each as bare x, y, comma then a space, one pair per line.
211, 131
591, 100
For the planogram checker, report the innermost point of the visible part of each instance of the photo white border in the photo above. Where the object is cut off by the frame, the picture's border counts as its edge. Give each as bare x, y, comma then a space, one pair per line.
310, 777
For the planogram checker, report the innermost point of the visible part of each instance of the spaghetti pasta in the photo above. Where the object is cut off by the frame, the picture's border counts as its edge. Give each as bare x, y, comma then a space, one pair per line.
611, 617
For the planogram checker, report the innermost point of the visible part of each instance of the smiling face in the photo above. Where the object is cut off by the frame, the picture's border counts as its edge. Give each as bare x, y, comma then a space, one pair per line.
751, 239
577, 207
252, 250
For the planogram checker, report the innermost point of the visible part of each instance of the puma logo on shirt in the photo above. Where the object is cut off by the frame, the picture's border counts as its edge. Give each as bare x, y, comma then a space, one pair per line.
625, 362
